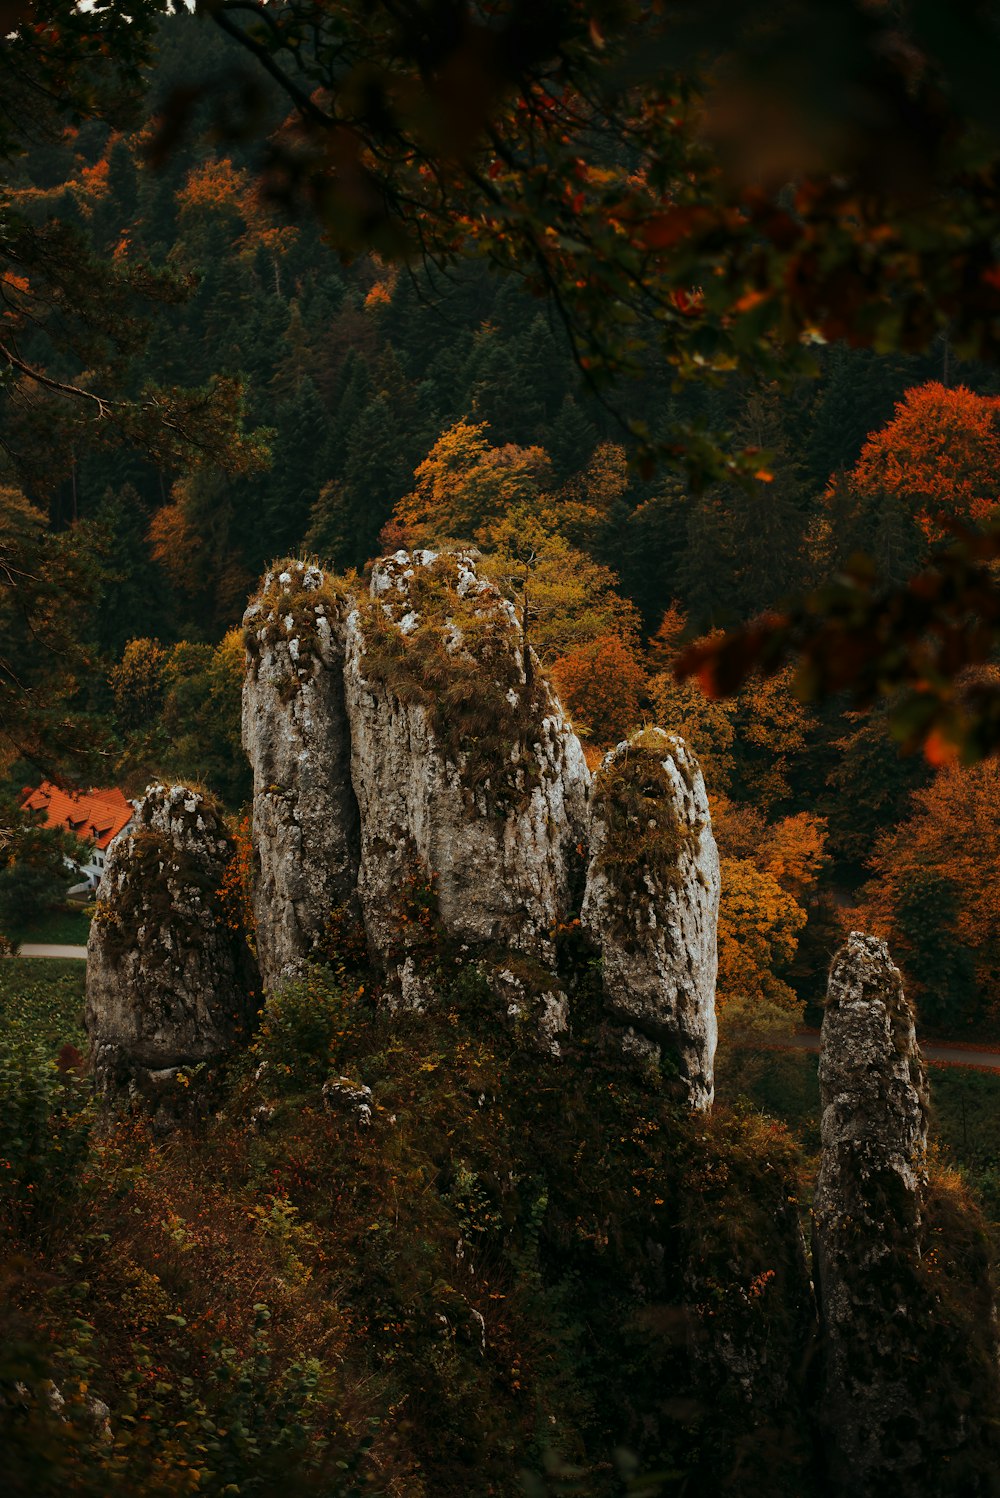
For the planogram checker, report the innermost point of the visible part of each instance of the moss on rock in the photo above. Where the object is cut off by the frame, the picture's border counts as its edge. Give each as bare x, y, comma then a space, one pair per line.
645, 835
296, 604
169, 977
440, 636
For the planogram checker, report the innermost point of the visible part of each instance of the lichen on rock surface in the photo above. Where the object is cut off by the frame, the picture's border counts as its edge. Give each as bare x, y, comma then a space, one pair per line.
867, 1221
169, 982
651, 905
295, 733
463, 764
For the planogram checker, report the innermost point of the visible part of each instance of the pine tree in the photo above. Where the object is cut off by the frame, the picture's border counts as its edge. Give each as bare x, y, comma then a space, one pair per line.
131, 599
501, 390
297, 474
570, 439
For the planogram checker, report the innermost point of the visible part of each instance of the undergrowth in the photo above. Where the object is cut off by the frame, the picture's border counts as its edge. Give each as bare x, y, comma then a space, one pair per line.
516, 1275
508, 1271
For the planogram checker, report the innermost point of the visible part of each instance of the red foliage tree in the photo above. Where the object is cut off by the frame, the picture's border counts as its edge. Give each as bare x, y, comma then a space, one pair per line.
602, 683
940, 454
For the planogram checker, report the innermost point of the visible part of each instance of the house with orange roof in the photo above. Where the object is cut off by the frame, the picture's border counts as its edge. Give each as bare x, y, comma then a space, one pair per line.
97, 818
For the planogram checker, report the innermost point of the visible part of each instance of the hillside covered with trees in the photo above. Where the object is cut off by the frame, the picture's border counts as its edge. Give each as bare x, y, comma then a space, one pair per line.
208, 365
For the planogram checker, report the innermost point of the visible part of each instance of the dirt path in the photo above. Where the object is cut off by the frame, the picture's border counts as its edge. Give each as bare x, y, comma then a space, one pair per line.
938, 1052
45, 949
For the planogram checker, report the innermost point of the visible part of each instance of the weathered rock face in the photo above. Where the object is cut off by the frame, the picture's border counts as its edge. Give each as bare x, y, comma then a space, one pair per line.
409, 754
466, 774
867, 1222
295, 732
169, 983
652, 903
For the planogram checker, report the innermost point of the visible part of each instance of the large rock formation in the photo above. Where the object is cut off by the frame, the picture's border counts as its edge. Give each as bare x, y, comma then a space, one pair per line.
169, 980
469, 781
652, 903
409, 754
295, 732
867, 1223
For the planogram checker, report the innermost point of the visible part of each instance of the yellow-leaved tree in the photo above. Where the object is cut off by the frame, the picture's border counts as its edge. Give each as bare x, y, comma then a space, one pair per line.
769, 875
463, 484
468, 491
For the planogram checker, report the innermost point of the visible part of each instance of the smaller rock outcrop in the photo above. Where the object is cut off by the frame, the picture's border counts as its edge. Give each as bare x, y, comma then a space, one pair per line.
341, 1095
295, 733
868, 1213
471, 785
169, 982
651, 905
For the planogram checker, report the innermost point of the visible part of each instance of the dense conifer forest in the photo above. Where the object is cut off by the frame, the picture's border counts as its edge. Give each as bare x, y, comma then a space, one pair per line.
462, 1296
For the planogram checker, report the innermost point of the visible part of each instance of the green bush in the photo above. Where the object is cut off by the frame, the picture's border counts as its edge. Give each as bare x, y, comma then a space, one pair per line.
302, 1029
45, 1108
33, 875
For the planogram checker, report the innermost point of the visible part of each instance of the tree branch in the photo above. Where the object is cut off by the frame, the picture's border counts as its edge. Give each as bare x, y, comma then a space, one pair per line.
103, 405
302, 101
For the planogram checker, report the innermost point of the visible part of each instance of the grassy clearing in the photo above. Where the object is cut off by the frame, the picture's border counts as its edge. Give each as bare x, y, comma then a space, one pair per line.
68, 926
43, 999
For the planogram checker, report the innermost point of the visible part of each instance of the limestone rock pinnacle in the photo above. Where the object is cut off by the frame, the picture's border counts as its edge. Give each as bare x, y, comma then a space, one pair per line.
465, 770
295, 733
652, 903
867, 1219
169, 983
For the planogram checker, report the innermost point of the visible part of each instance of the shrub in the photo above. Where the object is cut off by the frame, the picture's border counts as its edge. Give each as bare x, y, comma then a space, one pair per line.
302, 1028
33, 874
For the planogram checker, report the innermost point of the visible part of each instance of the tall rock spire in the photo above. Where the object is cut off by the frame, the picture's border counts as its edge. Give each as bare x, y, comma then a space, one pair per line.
652, 904
868, 1212
465, 770
169, 982
296, 735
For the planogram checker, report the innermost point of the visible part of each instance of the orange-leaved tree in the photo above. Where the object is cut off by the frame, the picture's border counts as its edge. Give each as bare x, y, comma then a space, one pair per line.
752, 740
891, 623
940, 456
935, 897
759, 927
769, 876
215, 193
772, 728
702, 722
463, 484
602, 682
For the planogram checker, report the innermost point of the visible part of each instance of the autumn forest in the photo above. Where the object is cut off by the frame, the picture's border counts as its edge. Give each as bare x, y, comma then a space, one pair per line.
208, 367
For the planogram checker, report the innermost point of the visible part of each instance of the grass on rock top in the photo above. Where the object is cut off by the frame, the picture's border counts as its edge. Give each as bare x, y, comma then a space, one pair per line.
294, 596
464, 661
635, 797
